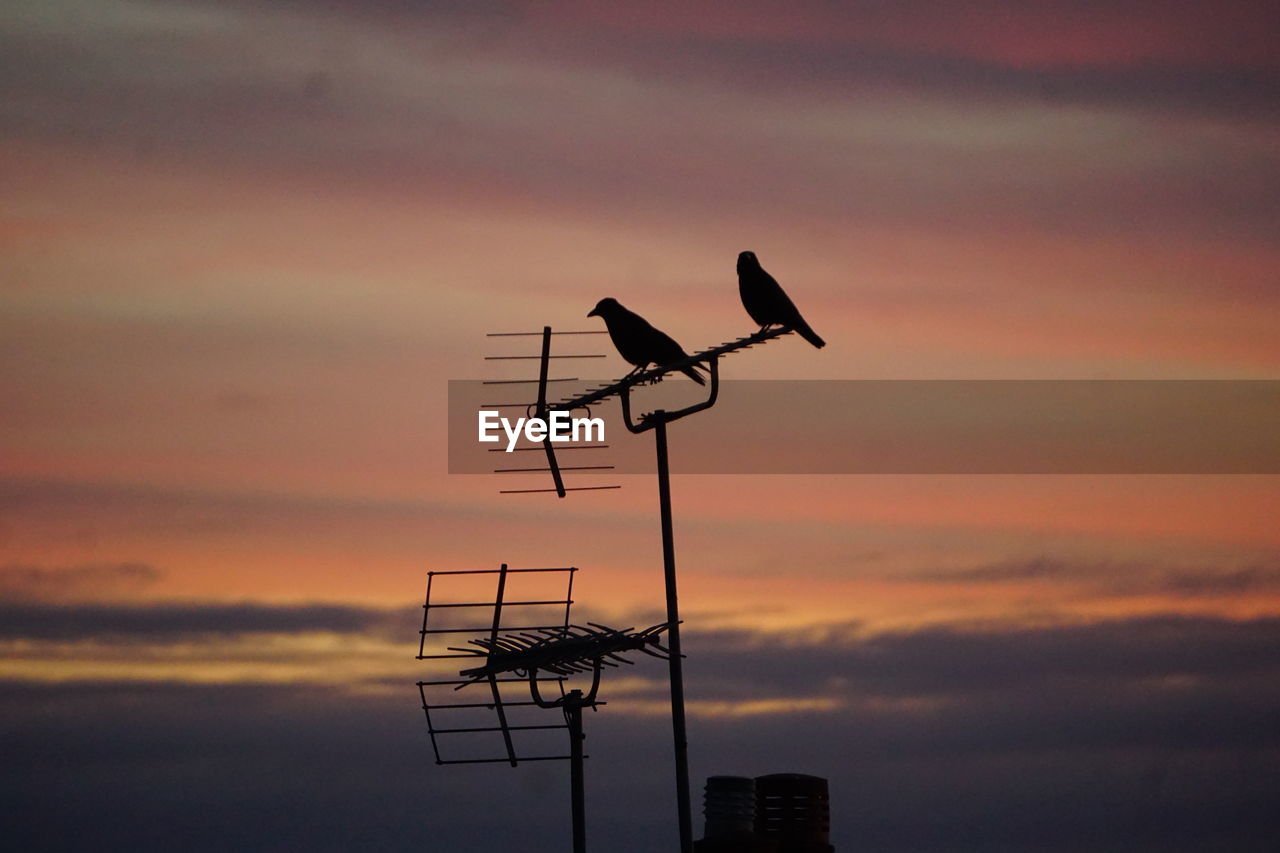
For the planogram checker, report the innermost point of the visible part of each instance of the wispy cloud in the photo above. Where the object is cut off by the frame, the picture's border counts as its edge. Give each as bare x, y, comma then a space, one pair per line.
1115, 577
433, 99
162, 622
88, 580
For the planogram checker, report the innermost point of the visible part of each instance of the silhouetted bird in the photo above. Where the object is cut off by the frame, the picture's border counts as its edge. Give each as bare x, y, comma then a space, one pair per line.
766, 301
637, 341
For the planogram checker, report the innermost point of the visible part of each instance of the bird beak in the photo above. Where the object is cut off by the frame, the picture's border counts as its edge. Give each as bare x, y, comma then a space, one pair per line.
593, 313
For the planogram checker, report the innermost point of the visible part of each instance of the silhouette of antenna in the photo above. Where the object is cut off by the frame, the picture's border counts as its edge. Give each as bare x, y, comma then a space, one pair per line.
538, 408
518, 653
556, 644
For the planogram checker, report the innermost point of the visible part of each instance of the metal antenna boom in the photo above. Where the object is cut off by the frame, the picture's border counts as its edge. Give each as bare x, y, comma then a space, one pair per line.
707, 356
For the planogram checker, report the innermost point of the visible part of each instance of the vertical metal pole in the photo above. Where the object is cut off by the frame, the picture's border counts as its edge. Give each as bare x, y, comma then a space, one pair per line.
577, 790
679, 733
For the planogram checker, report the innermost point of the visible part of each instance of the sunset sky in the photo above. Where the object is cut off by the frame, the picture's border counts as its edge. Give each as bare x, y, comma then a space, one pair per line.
247, 244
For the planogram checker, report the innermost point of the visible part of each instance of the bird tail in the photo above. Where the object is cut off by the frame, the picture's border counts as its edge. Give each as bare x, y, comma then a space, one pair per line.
693, 374
803, 330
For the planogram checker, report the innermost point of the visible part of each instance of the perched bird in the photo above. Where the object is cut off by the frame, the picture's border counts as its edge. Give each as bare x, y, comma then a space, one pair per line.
637, 341
766, 301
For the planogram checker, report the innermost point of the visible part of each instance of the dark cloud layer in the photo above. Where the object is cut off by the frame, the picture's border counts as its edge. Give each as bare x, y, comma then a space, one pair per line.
954, 663
1136, 734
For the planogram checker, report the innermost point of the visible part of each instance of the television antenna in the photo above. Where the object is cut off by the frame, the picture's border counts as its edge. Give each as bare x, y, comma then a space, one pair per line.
514, 653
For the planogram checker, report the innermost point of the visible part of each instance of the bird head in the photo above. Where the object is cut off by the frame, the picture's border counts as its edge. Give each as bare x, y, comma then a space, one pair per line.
605, 306
747, 261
